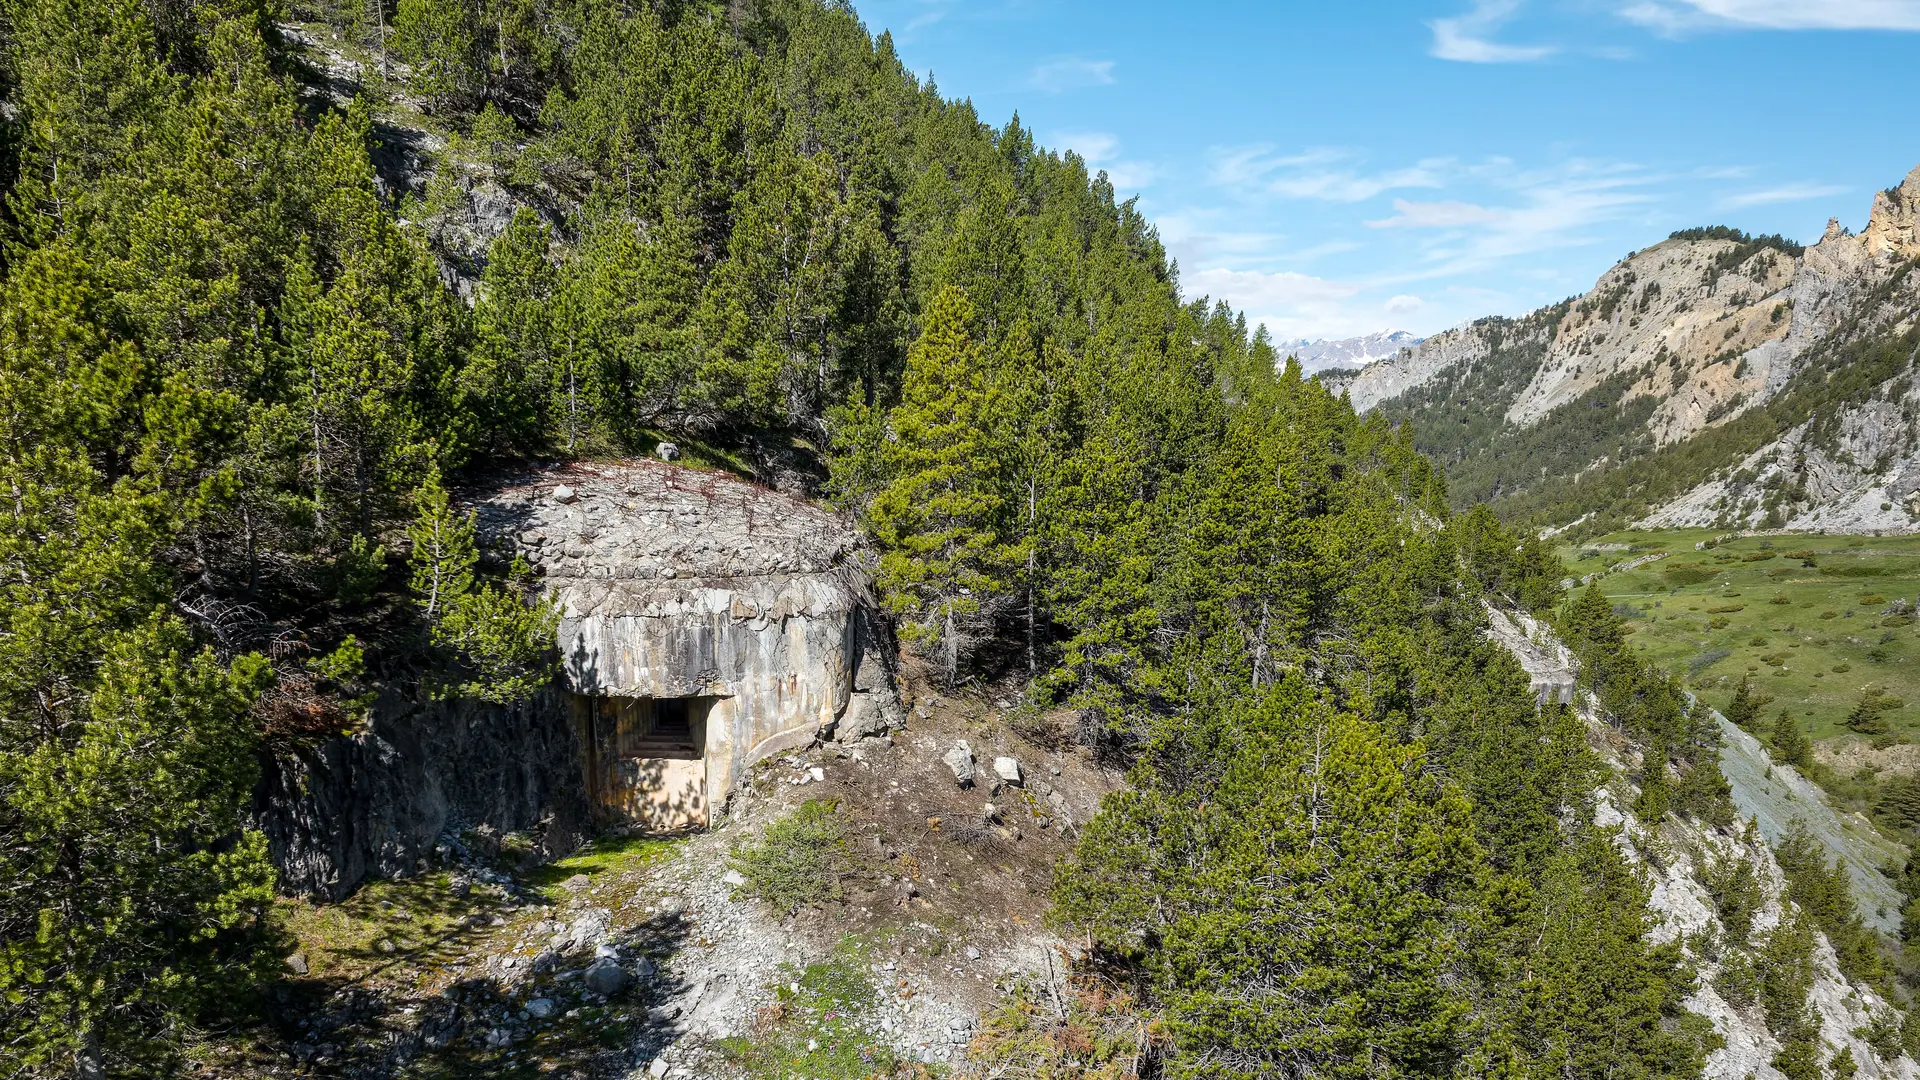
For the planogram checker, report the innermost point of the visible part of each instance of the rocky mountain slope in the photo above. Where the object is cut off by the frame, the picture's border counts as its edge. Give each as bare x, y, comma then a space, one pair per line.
1354, 353
1780, 353
1685, 858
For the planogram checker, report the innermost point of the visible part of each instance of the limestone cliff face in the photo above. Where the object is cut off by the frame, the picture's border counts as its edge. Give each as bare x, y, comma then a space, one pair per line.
1415, 366
1700, 331
1854, 471
1690, 325
1855, 468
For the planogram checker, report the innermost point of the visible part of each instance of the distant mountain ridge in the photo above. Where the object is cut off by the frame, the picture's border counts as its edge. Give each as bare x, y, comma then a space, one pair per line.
1322, 354
1713, 379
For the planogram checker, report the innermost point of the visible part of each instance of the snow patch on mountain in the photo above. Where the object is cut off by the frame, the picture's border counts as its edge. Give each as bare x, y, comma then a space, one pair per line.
1352, 353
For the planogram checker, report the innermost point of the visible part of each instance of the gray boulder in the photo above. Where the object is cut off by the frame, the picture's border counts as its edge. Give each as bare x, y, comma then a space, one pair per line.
606, 977
960, 760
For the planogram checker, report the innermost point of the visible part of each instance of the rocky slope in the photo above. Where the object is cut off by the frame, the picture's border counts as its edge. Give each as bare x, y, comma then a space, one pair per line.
649, 957
1677, 852
1325, 354
1688, 336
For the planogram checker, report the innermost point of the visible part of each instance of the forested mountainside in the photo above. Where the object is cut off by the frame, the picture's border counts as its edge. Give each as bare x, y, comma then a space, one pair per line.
276, 281
1729, 379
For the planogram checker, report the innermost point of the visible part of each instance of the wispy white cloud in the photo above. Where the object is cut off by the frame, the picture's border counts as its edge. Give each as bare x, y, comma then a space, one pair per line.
1783, 194
1326, 173
1468, 37
1289, 303
1437, 215
1095, 146
1070, 73
1440, 246
1679, 16
1544, 210
1101, 150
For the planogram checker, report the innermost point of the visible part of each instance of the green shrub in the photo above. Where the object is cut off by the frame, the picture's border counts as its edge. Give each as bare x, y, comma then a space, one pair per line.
1737, 895
803, 859
1872, 599
1683, 576
1738, 982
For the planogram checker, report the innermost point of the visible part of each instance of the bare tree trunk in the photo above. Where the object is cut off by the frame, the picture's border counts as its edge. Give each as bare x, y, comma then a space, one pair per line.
380, 18
1032, 667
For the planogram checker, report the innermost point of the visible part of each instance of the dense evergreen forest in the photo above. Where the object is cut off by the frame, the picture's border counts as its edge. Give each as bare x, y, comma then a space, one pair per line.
239, 378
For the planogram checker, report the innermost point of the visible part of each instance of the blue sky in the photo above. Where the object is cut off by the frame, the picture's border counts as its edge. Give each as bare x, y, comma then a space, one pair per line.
1343, 166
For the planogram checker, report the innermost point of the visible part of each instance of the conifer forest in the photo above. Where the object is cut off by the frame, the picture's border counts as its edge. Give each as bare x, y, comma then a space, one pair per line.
247, 367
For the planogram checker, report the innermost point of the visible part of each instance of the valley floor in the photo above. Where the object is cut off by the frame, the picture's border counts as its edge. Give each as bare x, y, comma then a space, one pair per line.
1812, 621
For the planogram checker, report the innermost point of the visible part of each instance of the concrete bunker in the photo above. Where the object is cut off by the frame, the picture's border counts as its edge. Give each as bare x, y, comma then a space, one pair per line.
706, 623
644, 759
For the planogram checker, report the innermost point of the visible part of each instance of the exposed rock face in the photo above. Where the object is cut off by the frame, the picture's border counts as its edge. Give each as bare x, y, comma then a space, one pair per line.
1774, 796
1690, 327
1676, 851
1414, 366
1854, 471
1710, 329
374, 804
1548, 664
675, 583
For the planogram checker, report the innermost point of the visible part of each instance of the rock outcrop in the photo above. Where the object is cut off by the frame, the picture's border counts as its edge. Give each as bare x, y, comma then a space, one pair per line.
376, 803
1699, 330
1416, 365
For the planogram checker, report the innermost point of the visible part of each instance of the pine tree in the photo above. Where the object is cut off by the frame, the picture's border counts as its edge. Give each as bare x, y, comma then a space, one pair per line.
1866, 717
1791, 745
441, 40
512, 371
1359, 852
136, 895
1743, 710
1600, 1001
945, 563
501, 646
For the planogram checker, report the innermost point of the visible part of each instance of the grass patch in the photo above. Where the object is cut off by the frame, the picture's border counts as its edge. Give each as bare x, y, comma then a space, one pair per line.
382, 924
1697, 636
802, 859
822, 1025
606, 856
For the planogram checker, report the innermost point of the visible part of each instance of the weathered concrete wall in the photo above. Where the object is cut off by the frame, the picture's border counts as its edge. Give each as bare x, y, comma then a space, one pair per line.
373, 804
777, 655
674, 582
